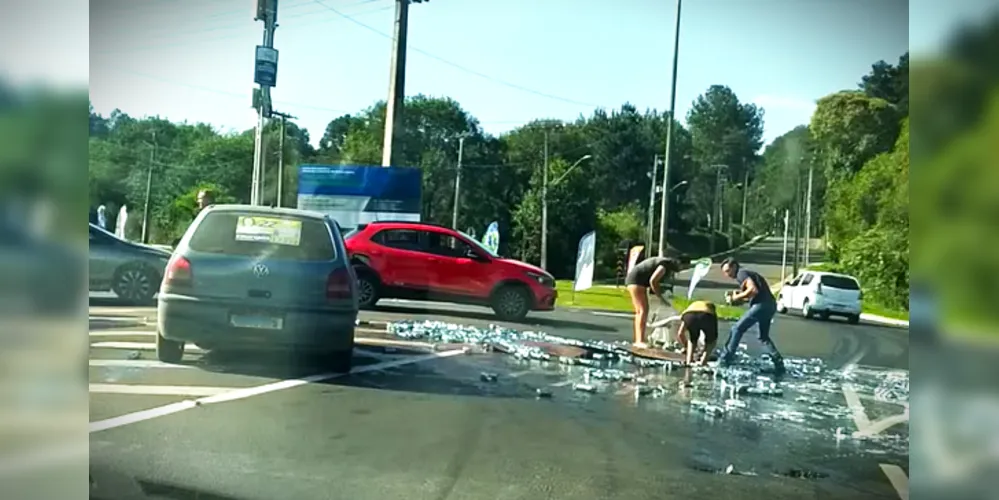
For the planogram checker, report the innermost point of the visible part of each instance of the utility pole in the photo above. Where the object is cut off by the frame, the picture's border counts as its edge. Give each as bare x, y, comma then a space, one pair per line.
149, 188
808, 215
397, 80
652, 206
280, 172
457, 184
797, 222
669, 137
745, 200
265, 75
544, 210
783, 258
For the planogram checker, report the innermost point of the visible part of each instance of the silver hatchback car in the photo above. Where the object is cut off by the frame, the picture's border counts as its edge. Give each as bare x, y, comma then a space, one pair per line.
251, 277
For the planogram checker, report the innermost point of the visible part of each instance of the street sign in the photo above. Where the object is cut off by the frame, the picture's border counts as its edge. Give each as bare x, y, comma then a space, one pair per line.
265, 69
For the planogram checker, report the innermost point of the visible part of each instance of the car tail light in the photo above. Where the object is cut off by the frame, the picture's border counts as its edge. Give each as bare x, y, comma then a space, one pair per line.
818, 289
861, 294
178, 273
339, 285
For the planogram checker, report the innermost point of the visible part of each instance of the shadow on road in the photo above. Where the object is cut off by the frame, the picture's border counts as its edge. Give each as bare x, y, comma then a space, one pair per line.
116, 302
532, 320
455, 376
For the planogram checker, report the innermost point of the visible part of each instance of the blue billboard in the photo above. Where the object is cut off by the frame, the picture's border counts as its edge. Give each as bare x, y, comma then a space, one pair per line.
358, 194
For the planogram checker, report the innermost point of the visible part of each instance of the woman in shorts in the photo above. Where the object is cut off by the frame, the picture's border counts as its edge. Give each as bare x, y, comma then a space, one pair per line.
700, 317
645, 276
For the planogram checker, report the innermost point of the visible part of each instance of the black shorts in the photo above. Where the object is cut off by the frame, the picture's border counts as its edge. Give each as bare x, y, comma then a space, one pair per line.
634, 277
698, 322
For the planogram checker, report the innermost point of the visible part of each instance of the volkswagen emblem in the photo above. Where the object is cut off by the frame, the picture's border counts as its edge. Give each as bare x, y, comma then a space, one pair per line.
260, 270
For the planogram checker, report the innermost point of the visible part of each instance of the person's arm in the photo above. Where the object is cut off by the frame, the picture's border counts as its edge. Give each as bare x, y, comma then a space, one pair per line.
681, 333
655, 282
708, 349
747, 291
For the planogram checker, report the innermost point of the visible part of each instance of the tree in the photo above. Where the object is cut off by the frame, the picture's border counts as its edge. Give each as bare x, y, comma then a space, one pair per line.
849, 128
890, 83
723, 132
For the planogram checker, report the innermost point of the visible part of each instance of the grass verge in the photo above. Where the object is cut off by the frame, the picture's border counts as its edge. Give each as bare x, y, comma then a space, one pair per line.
616, 299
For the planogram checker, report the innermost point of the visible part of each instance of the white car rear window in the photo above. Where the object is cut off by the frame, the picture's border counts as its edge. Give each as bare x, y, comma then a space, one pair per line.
840, 282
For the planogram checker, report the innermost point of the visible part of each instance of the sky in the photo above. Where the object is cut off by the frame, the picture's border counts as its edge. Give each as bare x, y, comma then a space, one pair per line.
506, 63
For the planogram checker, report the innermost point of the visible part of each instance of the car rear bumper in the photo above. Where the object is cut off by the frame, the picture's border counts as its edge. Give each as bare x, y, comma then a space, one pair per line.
545, 300
831, 307
209, 322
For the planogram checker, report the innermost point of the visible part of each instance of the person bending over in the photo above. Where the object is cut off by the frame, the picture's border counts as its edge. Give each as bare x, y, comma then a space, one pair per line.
700, 317
645, 276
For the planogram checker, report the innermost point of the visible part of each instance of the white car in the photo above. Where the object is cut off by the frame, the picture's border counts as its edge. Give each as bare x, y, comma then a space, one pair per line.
822, 294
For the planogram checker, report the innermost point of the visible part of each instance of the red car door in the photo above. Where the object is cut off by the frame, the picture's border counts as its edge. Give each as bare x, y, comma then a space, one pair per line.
457, 271
400, 259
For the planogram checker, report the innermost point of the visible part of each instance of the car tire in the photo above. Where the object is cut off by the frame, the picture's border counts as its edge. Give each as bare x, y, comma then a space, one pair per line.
824, 316
340, 361
780, 305
168, 351
134, 283
368, 289
854, 319
806, 310
511, 302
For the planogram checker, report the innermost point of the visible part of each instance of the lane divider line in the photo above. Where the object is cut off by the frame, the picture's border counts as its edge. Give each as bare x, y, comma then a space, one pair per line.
158, 390
562, 383
855, 406
161, 411
898, 479
137, 363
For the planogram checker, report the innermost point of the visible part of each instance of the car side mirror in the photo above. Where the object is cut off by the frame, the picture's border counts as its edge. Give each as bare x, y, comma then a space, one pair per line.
472, 254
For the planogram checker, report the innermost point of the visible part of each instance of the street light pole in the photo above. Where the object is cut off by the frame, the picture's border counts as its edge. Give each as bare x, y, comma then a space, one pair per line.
544, 202
266, 12
457, 184
745, 199
652, 204
669, 135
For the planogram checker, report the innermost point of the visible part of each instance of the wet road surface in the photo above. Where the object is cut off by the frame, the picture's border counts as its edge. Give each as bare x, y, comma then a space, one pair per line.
412, 423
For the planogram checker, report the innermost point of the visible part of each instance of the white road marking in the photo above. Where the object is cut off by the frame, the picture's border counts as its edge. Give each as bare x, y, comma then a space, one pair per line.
898, 479
123, 333
612, 314
562, 383
139, 346
236, 394
854, 404
883, 425
136, 363
158, 390
520, 373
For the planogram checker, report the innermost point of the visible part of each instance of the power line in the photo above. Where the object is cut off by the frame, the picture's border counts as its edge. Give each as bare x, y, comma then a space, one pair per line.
240, 25
461, 67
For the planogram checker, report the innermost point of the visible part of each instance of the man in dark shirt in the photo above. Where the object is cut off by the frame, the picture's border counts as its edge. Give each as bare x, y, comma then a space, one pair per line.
762, 308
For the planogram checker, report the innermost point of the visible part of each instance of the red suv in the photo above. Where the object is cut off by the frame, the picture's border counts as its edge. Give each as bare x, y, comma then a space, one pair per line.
415, 260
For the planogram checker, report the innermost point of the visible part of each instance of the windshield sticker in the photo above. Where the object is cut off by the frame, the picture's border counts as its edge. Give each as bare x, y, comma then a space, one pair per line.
269, 230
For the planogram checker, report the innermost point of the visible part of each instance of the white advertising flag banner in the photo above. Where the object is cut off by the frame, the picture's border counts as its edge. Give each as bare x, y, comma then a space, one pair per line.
585, 259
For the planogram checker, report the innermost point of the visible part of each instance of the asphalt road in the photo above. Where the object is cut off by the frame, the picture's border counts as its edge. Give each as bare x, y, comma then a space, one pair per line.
416, 424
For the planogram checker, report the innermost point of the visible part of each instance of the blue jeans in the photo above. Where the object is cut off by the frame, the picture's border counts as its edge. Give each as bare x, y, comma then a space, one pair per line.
758, 314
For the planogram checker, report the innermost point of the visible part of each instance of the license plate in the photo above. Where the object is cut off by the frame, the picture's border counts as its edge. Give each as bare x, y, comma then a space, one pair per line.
258, 322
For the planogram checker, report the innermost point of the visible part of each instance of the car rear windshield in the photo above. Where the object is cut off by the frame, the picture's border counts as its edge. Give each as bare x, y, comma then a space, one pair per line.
263, 236
840, 282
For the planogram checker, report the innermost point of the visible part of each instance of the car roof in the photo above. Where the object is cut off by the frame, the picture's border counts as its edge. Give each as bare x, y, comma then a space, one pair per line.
827, 273
266, 210
402, 224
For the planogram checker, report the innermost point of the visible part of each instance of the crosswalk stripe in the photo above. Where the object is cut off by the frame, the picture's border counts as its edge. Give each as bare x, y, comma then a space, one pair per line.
139, 346
135, 363
159, 390
123, 333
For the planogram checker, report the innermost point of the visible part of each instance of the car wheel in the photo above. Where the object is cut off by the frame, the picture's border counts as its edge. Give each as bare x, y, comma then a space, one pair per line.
806, 309
854, 319
367, 290
511, 303
134, 283
781, 308
168, 351
824, 316
341, 361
